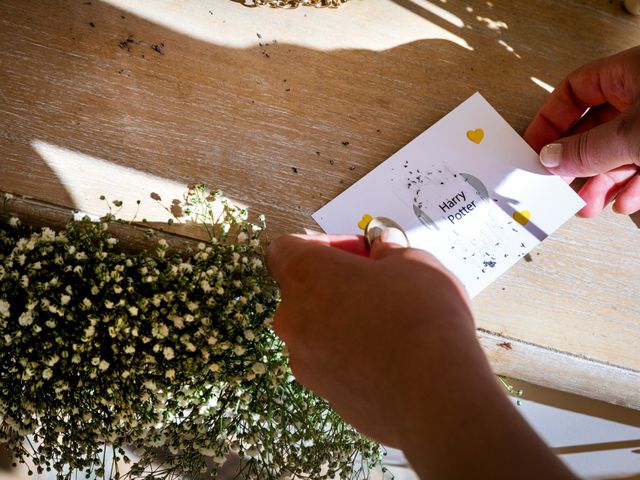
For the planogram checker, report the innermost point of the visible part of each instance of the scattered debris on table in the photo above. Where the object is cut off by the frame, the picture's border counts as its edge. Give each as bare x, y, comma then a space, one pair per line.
158, 47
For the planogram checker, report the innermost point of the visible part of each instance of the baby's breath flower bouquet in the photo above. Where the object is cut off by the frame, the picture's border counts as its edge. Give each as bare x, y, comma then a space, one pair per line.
166, 353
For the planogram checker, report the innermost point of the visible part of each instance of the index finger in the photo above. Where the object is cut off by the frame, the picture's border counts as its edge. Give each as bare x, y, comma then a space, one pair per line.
290, 256
597, 83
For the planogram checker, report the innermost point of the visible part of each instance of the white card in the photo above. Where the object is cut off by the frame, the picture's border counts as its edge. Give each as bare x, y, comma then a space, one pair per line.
469, 190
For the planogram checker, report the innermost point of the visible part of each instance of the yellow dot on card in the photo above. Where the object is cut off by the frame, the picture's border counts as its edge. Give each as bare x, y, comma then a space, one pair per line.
476, 135
522, 217
364, 221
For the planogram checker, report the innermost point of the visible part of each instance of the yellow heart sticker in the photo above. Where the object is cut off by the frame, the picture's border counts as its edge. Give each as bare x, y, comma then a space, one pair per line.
476, 135
522, 217
364, 221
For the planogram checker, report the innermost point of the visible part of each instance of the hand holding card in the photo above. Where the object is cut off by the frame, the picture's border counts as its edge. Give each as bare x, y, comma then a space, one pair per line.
468, 190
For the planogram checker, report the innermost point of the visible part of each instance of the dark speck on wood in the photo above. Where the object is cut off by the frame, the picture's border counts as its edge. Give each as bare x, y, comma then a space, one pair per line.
345, 143
294, 169
158, 47
92, 24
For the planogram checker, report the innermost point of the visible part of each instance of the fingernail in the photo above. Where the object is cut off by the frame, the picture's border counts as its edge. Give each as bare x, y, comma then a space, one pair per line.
551, 155
393, 235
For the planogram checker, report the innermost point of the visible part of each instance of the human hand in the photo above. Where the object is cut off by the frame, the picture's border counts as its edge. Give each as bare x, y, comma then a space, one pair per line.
390, 341
357, 327
604, 144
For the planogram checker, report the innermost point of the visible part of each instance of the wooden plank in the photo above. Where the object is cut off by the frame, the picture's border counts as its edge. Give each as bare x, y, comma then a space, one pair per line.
81, 117
561, 370
509, 356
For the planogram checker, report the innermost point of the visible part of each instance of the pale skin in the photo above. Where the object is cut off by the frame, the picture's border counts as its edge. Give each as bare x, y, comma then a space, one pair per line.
387, 336
604, 145
390, 341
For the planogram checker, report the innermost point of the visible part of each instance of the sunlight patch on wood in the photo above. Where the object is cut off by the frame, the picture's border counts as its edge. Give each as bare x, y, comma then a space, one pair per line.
374, 25
545, 86
87, 178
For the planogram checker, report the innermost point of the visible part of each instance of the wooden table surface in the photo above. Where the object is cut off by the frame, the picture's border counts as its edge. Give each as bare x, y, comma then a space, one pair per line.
125, 98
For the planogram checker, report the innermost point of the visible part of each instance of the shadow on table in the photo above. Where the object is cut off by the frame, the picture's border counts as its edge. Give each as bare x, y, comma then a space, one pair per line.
281, 128
579, 404
259, 123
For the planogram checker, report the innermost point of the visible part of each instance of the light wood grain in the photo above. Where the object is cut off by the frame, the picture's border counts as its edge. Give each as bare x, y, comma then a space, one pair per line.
81, 117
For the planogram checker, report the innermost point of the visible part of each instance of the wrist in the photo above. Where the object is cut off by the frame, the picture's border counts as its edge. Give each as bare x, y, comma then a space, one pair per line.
456, 421
445, 369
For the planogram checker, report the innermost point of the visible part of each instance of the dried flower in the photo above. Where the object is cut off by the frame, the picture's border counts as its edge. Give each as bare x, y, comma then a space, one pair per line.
162, 348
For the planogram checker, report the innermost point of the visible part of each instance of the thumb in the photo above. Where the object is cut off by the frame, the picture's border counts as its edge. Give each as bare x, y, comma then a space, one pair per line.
388, 242
598, 150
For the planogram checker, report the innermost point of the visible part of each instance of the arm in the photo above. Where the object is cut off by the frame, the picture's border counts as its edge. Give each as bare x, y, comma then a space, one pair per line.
390, 341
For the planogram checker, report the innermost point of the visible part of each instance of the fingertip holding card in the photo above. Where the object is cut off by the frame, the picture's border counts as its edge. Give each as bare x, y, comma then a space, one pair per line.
464, 190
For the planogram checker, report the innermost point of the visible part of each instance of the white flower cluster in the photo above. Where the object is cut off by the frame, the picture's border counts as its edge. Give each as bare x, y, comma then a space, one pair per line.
161, 348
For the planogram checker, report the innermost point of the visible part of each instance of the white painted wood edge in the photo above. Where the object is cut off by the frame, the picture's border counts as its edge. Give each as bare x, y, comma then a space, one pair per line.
560, 370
